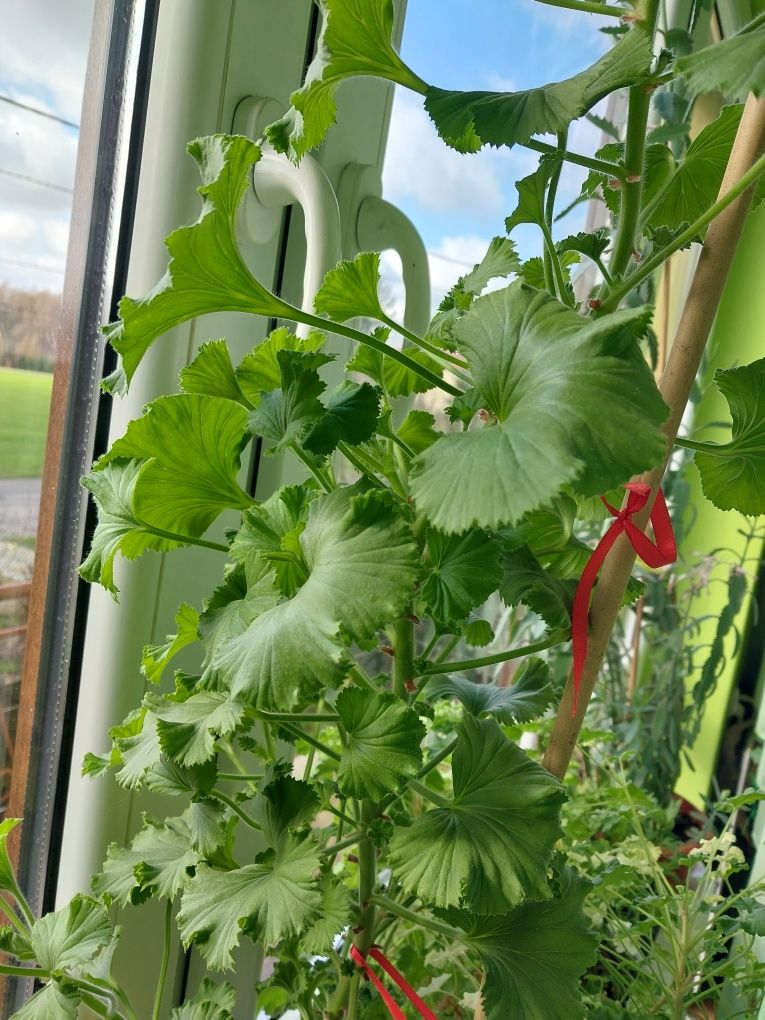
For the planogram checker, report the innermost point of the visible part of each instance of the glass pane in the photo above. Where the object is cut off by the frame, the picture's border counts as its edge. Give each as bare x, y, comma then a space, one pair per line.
43, 51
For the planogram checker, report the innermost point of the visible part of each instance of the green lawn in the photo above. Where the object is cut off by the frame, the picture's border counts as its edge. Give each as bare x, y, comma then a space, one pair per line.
24, 405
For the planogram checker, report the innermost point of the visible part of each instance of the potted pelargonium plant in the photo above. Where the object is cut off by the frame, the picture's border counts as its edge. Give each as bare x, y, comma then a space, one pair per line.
417, 842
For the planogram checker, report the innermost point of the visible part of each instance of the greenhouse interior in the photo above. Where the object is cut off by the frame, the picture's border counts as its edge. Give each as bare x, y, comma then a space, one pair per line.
382, 482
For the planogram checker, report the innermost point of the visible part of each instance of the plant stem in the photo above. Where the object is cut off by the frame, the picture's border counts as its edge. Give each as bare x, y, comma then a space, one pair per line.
434, 762
25, 972
440, 927
431, 795
327, 325
7, 911
614, 296
348, 841
448, 648
552, 259
691, 444
587, 7
317, 473
247, 819
165, 961
302, 735
425, 345
359, 677
677, 381
353, 996
403, 660
299, 717
26, 910
602, 166
367, 879
236, 777
556, 638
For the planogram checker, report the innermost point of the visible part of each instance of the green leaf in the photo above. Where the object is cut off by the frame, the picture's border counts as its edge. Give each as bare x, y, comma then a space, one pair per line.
188, 726
592, 245
172, 779
396, 379
545, 530
531, 197
733, 473
735, 66
206, 271
350, 417
695, 184
206, 821
334, 918
192, 444
754, 922
118, 528
58, 1000
534, 955
157, 863
528, 697
285, 803
72, 936
349, 291
212, 373
7, 874
232, 608
383, 742
285, 415
478, 633
154, 658
270, 901
355, 40
543, 371
137, 742
468, 120
362, 566
526, 581
500, 260
418, 431
491, 844
259, 371
212, 1002
465, 571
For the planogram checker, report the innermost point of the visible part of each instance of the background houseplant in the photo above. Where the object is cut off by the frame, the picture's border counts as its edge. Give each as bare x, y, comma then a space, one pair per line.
324, 581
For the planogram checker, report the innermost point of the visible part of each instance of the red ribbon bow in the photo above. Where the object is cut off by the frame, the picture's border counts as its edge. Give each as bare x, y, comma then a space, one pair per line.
395, 1010
661, 553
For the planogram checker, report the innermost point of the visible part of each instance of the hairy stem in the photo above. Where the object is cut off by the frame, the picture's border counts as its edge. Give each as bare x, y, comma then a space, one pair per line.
403, 660
155, 1015
634, 154
602, 166
367, 880
677, 381
556, 638
453, 934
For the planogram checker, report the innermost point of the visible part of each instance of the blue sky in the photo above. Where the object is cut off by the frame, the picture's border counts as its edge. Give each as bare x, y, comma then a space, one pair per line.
459, 202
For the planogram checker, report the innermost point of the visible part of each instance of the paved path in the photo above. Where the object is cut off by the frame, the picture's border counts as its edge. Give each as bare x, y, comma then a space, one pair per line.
19, 505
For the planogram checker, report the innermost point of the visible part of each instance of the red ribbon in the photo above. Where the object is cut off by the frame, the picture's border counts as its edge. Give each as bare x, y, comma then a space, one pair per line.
663, 552
395, 1010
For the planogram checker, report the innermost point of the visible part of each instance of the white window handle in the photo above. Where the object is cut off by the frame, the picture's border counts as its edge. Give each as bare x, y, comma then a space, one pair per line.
277, 183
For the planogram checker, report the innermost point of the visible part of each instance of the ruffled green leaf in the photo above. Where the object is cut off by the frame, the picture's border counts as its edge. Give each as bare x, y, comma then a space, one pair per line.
349, 291
492, 843
259, 371
270, 901
188, 726
355, 40
212, 1002
469, 120
350, 416
542, 371
733, 473
534, 956
525, 580
72, 936
528, 696
58, 1000
362, 566
285, 414
206, 271
382, 749
465, 571
417, 431
155, 658
245, 594
284, 804
157, 863
335, 917
136, 741
531, 197
735, 66
396, 379
212, 373
7, 875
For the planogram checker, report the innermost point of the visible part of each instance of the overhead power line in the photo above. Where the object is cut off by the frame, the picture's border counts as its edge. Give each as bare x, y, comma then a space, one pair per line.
31, 265
35, 180
39, 112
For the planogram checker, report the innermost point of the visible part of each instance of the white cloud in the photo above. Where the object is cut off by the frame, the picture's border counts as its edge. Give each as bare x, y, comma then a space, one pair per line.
419, 166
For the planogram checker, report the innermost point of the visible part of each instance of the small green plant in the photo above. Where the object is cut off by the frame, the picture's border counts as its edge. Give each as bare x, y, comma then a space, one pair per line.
390, 801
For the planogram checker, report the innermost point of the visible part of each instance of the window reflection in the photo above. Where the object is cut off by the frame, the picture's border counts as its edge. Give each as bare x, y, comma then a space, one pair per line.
43, 51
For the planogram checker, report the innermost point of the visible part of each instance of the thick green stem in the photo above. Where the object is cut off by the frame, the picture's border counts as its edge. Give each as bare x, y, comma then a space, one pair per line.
431, 795
634, 155
299, 717
348, 841
247, 819
403, 660
165, 961
650, 265
426, 346
556, 638
691, 444
7, 911
185, 539
302, 735
367, 881
353, 996
25, 972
